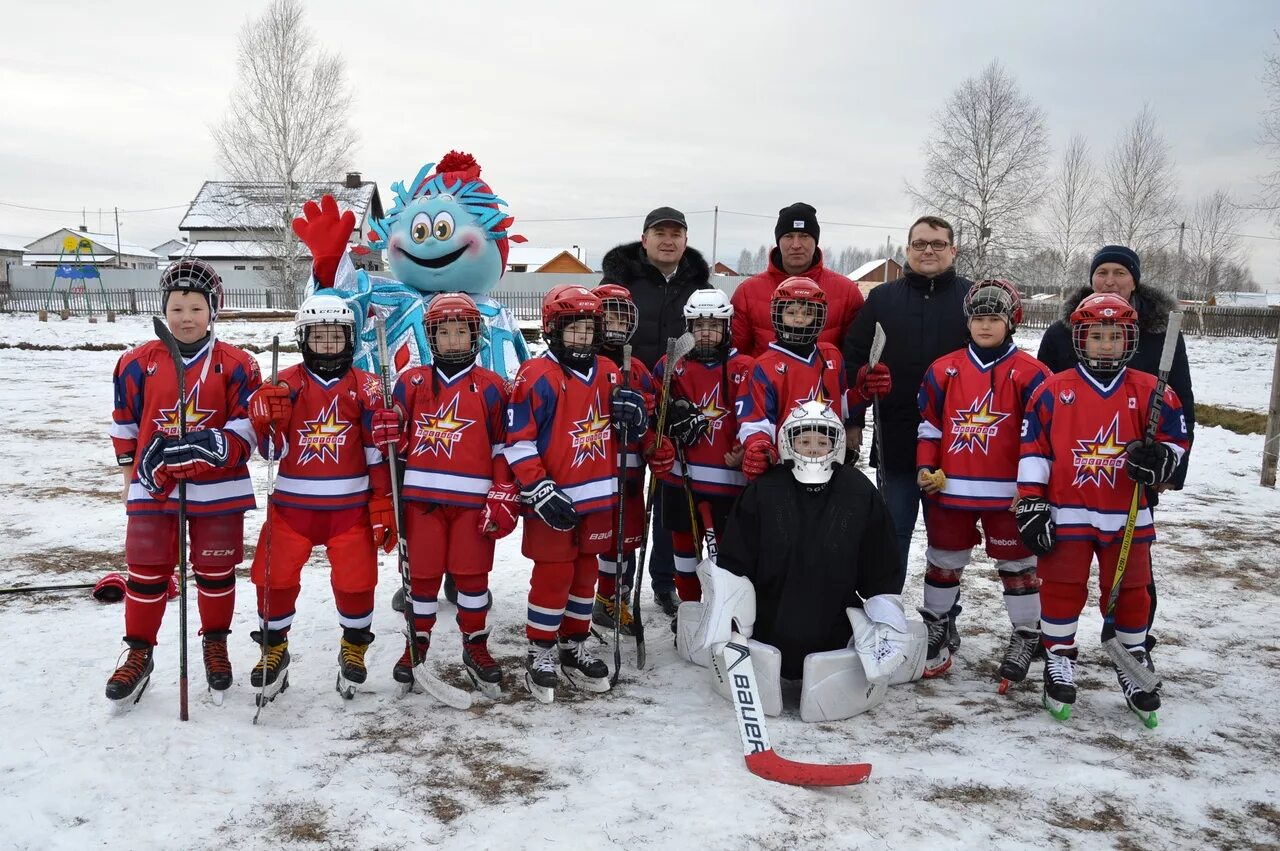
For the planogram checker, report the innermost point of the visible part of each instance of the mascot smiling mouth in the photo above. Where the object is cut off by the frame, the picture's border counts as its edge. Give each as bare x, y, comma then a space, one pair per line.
435, 262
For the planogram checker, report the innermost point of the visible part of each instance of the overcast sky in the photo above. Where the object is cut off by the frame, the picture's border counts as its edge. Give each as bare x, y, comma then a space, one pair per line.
607, 110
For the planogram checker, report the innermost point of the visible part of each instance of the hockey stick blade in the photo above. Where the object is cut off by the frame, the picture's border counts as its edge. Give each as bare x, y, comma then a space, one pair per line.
438, 689
761, 759
877, 346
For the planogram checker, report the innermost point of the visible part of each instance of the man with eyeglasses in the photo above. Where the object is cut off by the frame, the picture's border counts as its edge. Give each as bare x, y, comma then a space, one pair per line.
922, 314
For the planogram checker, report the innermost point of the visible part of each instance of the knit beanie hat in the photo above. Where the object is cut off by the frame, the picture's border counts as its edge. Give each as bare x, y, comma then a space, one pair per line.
1118, 254
798, 217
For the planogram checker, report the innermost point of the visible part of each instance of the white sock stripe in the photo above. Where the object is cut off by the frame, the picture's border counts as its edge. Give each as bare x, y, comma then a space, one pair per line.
355, 623
159, 598
223, 592
425, 608
555, 613
1132, 639
148, 577
277, 623
473, 601
578, 616
583, 601
1059, 630
606, 566
209, 574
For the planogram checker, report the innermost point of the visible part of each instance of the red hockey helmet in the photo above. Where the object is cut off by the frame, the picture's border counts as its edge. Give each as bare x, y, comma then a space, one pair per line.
453, 307
193, 275
994, 297
803, 302
619, 309
1101, 353
566, 304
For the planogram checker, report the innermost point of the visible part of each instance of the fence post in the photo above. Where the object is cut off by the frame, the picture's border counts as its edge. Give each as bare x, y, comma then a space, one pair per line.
268, 299
133, 301
1270, 449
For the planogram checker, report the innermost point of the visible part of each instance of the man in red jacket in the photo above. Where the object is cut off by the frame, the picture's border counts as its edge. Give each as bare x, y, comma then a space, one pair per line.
797, 253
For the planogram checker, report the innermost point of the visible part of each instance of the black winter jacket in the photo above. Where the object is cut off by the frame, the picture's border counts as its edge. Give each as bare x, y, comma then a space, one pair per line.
659, 303
923, 319
1153, 306
810, 556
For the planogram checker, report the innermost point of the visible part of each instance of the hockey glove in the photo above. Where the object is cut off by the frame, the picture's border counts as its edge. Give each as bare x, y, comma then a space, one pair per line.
662, 458
198, 452
628, 411
270, 406
551, 505
382, 517
1149, 464
386, 430
325, 231
1035, 524
873, 382
152, 474
759, 456
501, 510
685, 423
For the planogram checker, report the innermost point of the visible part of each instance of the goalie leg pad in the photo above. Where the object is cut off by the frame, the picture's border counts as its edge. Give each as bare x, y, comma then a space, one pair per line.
766, 660
835, 687
726, 598
689, 619
917, 654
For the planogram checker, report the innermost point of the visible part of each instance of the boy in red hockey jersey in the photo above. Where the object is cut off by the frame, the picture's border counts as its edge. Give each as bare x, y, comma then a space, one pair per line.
794, 369
560, 444
620, 318
971, 407
1083, 456
702, 420
321, 420
211, 459
458, 495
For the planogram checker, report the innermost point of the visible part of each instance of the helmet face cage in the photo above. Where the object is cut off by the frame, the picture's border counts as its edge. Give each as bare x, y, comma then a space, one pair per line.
194, 275
798, 335
453, 307
703, 351
619, 311
994, 298
796, 443
1107, 366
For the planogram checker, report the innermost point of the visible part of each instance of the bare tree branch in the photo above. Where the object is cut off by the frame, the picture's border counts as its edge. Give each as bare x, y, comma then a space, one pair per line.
1071, 211
1213, 246
1270, 135
1139, 199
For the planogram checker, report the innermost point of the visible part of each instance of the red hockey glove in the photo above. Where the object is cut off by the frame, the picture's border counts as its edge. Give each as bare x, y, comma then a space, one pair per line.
873, 382
382, 517
386, 430
759, 455
325, 231
270, 406
501, 510
662, 457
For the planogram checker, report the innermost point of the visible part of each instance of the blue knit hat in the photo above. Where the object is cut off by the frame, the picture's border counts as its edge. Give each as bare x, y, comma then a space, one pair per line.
1117, 254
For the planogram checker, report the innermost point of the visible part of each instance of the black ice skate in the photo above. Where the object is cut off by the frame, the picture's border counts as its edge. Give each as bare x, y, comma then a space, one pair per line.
580, 668
540, 671
403, 671
602, 614
939, 653
217, 666
126, 685
1017, 658
1143, 703
421, 679
480, 666
271, 674
1060, 682
351, 669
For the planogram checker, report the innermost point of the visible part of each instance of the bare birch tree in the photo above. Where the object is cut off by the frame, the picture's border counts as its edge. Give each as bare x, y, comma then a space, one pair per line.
1213, 245
1139, 197
1270, 136
984, 168
1071, 210
286, 126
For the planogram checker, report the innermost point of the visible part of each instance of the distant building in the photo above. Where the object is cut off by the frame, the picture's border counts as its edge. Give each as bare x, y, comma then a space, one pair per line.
102, 250
874, 272
530, 258
10, 255
169, 249
236, 226
722, 269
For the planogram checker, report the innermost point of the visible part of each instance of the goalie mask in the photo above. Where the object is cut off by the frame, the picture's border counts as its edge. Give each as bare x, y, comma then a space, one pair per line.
325, 329
811, 441
705, 313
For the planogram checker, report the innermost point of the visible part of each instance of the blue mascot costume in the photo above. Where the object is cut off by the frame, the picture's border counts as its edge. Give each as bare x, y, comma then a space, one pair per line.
446, 232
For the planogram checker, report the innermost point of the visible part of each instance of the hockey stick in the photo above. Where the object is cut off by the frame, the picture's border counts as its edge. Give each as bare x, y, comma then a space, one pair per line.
877, 349
688, 496
762, 760
180, 367
427, 681
31, 589
1146, 679
620, 562
266, 570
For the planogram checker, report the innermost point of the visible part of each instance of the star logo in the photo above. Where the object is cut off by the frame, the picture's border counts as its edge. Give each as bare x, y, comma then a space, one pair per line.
590, 437
373, 387
438, 432
323, 436
710, 408
973, 428
817, 394
1098, 460
168, 421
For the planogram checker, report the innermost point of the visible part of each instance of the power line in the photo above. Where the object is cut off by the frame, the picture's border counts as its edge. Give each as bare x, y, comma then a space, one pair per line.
86, 209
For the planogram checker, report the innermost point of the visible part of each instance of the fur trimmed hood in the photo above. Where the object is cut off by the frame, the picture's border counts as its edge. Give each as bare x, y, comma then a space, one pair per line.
1153, 307
626, 263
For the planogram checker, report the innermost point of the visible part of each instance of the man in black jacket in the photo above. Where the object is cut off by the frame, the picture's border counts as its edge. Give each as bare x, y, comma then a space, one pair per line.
661, 271
922, 314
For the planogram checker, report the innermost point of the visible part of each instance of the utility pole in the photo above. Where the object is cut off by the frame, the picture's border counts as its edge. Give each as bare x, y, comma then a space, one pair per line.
1271, 448
1177, 281
117, 212
715, 236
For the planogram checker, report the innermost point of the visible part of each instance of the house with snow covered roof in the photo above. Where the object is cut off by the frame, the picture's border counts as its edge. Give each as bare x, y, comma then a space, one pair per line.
522, 257
237, 227
104, 249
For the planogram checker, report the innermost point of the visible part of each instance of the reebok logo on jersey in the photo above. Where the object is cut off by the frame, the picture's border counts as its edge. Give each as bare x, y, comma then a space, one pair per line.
1003, 542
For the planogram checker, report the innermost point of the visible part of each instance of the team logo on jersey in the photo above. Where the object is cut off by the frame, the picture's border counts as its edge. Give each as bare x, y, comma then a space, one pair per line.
1067, 397
372, 387
1096, 461
323, 436
817, 394
710, 408
973, 428
780, 368
168, 421
590, 437
438, 432
952, 372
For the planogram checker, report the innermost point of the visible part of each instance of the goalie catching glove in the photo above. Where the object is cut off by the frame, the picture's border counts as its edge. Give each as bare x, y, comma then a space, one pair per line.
880, 636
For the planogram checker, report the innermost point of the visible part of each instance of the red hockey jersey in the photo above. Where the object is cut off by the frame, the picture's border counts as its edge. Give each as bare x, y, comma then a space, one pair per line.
1073, 439
455, 430
328, 461
219, 381
781, 380
715, 390
640, 380
558, 426
971, 424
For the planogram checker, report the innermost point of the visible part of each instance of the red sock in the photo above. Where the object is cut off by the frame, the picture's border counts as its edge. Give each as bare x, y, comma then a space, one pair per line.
280, 603
473, 601
146, 593
216, 596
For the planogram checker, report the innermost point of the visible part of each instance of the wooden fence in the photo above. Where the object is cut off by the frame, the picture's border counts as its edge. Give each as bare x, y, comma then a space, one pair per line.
1197, 320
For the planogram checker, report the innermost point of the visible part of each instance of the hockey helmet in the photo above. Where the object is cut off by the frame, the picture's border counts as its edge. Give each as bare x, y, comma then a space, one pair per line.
453, 307
617, 303
563, 305
994, 297
317, 311
800, 442
1110, 355
709, 304
191, 274
811, 300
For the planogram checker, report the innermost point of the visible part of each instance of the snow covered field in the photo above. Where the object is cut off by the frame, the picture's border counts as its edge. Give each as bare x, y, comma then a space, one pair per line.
654, 764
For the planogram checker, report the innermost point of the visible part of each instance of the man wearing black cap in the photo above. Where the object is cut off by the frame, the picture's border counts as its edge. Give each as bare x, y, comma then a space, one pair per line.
661, 272
796, 254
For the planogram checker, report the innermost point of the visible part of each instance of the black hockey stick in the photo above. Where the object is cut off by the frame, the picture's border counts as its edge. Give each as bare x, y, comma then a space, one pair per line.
619, 563
180, 367
31, 589
266, 570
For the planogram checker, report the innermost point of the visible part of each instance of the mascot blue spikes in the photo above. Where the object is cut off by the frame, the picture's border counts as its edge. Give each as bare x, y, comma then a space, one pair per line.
447, 232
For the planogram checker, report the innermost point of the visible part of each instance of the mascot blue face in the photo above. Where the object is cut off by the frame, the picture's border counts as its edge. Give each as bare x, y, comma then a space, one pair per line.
447, 233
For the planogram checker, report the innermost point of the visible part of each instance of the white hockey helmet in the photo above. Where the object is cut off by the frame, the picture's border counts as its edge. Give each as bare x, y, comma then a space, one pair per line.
325, 309
812, 460
709, 304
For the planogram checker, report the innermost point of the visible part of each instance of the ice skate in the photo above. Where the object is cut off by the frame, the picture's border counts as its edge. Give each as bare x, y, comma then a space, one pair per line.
351, 669
126, 685
481, 668
602, 614
939, 653
1060, 682
540, 671
1143, 703
1017, 657
583, 670
272, 668
217, 666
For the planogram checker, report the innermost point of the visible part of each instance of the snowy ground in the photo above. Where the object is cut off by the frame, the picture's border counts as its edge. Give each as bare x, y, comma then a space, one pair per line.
656, 763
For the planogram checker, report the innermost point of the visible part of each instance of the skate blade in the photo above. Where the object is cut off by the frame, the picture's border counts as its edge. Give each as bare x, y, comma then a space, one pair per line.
542, 694
942, 668
493, 691
345, 687
425, 682
125, 704
1148, 719
581, 682
217, 697
1003, 688
267, 695
1060, 711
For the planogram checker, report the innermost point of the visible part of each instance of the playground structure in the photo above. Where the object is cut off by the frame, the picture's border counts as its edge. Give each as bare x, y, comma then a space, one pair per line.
79, 274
